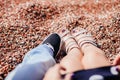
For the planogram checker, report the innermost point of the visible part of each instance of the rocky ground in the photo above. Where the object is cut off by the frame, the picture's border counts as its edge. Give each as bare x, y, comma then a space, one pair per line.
25, 23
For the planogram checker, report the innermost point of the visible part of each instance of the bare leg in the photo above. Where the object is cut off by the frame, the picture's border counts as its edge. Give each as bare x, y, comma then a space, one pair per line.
72, 61
93, 57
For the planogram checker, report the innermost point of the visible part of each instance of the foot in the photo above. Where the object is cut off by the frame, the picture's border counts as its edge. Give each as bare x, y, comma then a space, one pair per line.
68, 41
83, 38
53, 41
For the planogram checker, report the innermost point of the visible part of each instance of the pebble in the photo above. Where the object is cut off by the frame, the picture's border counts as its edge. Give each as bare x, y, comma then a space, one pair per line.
23, 31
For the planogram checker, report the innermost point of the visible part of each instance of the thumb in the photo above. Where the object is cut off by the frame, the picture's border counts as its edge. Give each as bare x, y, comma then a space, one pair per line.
117, 60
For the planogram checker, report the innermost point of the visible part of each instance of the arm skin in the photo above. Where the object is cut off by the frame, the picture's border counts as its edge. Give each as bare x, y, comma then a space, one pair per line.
54, 74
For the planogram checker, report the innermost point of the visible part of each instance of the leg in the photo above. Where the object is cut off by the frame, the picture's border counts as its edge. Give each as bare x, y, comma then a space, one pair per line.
34, 65
37, 61
93, 56
72, 61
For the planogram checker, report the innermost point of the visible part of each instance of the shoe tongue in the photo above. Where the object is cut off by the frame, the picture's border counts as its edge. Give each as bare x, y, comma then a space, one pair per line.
50, 46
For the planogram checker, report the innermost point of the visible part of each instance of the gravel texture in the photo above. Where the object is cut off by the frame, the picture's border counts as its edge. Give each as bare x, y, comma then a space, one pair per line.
24, 24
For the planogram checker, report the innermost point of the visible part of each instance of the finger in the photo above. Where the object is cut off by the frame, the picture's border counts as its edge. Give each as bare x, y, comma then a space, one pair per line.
68, 76
118, 67
116, 60
63, 70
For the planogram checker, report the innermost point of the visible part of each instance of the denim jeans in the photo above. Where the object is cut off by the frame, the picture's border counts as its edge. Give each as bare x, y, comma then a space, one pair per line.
34, 65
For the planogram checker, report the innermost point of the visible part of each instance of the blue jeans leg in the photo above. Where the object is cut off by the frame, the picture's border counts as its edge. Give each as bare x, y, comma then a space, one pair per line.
34, 65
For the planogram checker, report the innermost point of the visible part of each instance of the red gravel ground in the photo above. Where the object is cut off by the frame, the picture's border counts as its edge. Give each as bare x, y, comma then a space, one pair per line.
25, 23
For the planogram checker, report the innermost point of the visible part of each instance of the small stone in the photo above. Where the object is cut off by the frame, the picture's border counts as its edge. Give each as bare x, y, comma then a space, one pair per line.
14, 59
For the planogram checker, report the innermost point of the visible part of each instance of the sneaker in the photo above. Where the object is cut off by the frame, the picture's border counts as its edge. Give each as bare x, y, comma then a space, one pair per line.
53, 41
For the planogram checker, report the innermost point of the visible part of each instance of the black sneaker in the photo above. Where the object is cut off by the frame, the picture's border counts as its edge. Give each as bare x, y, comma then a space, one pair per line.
53, 41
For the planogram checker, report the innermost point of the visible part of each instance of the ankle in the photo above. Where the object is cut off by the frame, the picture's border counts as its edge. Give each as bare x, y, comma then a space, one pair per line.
74, 50
87, 46
90, 48
68, 41
71, 45
50, 46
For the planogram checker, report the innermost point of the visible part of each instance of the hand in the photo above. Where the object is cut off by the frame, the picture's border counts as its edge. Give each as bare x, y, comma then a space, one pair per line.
54, 74
118, 67
117, 60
